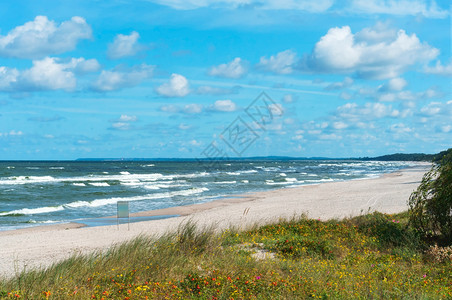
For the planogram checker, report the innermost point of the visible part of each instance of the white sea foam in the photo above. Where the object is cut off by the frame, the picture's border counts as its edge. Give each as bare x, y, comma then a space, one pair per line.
233, 173
99, 184
151, 187
114, 200
33, 211
248, 171
56, 168
288, 179
124, 173
225, 182
245, 181
79, 184
131, 182
27, 179
283, 174
77, 204
278, 183
103, 202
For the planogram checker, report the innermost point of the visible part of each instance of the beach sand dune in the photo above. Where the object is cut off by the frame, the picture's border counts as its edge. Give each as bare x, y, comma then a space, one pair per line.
41, 246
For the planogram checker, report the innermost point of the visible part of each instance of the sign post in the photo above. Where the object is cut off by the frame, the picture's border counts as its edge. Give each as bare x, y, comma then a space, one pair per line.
123, 212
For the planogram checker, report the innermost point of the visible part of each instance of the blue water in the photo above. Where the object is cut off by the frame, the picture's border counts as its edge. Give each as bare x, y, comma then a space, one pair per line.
36, 193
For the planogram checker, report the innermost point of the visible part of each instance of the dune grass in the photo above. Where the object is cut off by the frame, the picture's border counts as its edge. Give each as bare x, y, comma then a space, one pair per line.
374, 256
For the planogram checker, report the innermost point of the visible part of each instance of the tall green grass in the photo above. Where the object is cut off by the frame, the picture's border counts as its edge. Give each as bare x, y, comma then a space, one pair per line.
374, 256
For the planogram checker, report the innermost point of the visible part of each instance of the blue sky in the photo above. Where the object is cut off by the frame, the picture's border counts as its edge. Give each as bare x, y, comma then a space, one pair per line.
156, 78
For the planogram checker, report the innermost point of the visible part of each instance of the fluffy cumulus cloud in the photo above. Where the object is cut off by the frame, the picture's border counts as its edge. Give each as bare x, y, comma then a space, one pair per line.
177, 86
356, 113
123, 122
394, 84
281, 63
439, 69
428, 9
193, 108
42, 37
434, 109
122, 77
124, 45
374, 53
8, 77
234, 69
50, 73
84, 66
305, 5
224, 105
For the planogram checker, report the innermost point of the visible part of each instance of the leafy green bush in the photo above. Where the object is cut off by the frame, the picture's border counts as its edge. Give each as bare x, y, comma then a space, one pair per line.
389, 231
431, 204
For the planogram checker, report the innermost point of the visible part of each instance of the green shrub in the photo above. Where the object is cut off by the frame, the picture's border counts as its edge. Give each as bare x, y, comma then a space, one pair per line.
431, 204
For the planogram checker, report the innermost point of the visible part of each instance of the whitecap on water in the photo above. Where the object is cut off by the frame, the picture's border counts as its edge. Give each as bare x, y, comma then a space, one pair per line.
99, 184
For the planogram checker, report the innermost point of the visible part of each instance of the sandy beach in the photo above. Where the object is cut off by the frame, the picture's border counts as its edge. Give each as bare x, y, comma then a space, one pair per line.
41, 246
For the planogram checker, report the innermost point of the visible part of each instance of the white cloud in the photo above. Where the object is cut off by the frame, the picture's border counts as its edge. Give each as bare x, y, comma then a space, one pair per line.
49, 74
41, 37
395, 84
122, 77
282, 63
127, 118
12, 133
339, 125
355, 113
8, 77
400, 7
446, 128
224, 105
304, 5
83, 66
124, 45
439, 69
288, 98
341, 51
177, 86
121, 126
331, 136
170, 108
193, 108
209, 90
400, 128
183, 126
433, 108
347, 82
195, 143
234, 69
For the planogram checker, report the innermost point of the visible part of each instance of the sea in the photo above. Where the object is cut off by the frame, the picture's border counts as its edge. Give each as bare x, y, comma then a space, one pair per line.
34, 193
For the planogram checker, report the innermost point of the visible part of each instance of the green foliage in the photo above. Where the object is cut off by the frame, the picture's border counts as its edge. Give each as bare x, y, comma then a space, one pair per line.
444, 157
389, 231
431, 204
403, 157
371, 259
